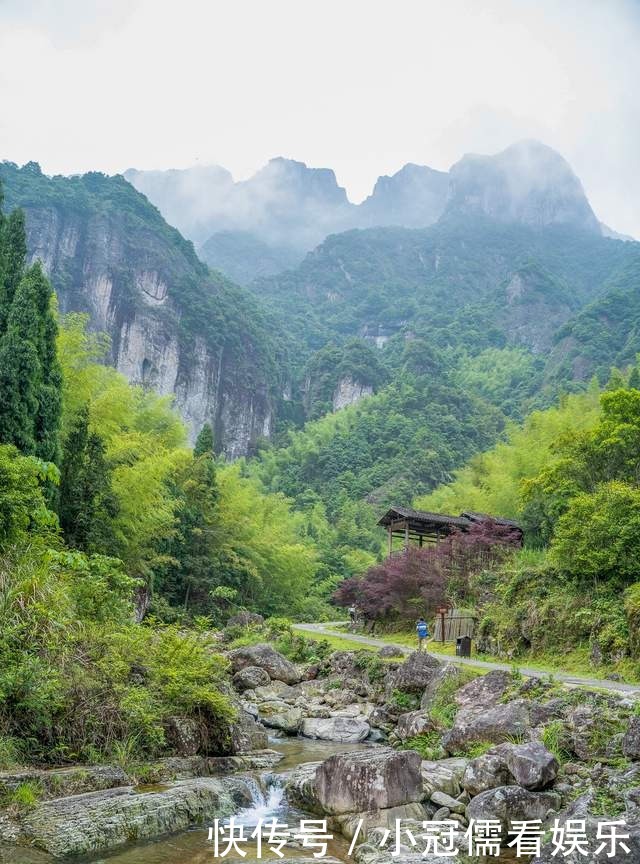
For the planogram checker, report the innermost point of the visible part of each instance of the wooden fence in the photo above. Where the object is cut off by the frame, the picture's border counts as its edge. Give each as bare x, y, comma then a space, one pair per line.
457, 622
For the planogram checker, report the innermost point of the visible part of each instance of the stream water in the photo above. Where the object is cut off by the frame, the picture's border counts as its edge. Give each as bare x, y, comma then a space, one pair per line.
193, 846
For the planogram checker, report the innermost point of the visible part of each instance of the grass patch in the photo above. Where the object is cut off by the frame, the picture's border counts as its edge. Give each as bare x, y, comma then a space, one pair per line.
24, 797
443, 709
404, 701
556, 739
475, 749
427, 745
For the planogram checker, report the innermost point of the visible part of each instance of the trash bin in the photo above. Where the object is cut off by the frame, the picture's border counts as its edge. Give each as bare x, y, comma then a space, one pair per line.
463, 646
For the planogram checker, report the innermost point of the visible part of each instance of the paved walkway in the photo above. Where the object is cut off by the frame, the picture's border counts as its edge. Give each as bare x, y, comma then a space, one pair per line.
325, 629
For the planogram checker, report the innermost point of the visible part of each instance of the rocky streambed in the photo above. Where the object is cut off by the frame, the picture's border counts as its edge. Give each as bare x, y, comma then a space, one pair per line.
361, 741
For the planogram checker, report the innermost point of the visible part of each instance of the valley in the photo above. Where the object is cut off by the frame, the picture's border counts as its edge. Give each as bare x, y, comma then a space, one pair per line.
195, 451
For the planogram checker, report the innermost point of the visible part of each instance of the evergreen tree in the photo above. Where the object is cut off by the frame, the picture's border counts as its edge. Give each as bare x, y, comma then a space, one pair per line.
204, 441
194, 550
634, 379
30, 378
20, 369
87, 504
47, 420
16, 252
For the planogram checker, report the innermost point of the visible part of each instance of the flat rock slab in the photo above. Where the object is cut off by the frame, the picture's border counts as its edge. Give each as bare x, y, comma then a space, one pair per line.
76, 779
98, 821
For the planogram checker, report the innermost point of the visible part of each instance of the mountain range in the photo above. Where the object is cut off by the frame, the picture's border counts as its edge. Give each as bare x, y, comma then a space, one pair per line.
259, 226
477, 294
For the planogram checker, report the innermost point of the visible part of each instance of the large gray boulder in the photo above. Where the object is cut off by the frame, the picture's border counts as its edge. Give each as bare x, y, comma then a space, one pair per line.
375, 779
495, 725
417, 672
485, 772
507, 804
265, 657
531, 765
184, 735
249, 678
348, 730
631, 740
247, 735
484, 692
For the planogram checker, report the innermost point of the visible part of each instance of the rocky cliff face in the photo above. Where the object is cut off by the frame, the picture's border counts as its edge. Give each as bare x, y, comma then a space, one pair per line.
173, 326
528, 183
349, 391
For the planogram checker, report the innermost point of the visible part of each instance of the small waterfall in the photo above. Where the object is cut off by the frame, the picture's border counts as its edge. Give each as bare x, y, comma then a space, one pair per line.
268, 799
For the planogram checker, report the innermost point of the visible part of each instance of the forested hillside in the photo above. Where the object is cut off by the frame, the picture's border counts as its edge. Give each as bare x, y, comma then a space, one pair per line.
461, 327
174, 326
568, 474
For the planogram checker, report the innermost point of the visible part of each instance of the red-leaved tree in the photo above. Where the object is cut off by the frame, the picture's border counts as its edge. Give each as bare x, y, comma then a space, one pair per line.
418, 580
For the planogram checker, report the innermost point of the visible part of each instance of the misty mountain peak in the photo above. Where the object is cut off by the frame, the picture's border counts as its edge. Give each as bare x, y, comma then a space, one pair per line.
298, 179
414, 197
528, 182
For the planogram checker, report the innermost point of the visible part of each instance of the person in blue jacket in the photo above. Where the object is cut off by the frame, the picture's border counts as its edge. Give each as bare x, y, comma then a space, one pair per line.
423, 632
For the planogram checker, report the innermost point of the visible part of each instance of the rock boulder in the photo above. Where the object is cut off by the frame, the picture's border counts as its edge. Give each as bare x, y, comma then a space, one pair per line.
485, 772
264, 657
531, 765
417, 672
495, 725
249, 678
512, 803
345, 729
631, 740
366, 780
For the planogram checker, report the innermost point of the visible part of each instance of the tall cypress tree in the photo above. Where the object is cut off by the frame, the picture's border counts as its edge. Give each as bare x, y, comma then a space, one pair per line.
47, 419
204, 442
20, 368
87, 504
30, 378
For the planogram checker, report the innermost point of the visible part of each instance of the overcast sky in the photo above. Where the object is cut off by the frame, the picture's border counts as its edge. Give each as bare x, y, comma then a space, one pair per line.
360, 86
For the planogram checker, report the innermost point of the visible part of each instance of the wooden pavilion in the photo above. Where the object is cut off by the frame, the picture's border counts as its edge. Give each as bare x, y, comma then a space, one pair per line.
424, 528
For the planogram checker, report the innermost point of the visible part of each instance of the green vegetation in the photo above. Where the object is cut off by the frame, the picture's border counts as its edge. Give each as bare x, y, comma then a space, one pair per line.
427, 745
24, 797
569, 474
29, 370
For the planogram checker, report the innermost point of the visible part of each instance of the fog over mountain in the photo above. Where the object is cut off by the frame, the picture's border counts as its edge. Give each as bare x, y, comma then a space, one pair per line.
267, 223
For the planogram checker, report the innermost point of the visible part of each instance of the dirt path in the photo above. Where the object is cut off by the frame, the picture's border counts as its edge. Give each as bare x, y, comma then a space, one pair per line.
325, 629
